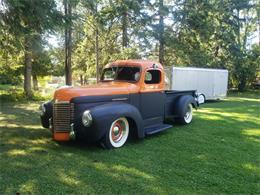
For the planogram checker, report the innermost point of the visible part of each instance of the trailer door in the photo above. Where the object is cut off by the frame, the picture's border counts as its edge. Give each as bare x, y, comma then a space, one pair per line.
220, 84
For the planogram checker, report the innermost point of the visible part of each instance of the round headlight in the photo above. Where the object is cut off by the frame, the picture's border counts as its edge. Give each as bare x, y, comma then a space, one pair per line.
86, 118
42, 109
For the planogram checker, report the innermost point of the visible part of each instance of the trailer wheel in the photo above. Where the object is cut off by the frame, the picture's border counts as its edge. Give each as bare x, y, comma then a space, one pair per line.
117, 134
201, 99
187, 118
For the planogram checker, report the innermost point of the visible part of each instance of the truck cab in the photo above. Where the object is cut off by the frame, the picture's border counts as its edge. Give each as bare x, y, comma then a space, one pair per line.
130, 98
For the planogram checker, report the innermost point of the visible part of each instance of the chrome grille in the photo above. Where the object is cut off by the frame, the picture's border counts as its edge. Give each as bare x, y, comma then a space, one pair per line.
63, 114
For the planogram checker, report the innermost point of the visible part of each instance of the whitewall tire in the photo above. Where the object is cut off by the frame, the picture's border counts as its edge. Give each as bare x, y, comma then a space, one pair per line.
117, 135
187, 118
188, 115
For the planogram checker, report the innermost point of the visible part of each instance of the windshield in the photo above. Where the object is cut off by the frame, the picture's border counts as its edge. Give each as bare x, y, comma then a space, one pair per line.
121, 73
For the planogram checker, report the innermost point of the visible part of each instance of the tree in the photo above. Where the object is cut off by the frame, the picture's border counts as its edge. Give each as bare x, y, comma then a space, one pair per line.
97, 41
108, 39
129, 16
18, 17
41, 62
204, 33
243, 21
161, 32
68, 40
10, 56
156, 28
213, 34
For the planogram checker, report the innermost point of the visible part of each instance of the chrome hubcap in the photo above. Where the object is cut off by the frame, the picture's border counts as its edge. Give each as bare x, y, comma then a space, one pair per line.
116, 130
119, 131
188, 115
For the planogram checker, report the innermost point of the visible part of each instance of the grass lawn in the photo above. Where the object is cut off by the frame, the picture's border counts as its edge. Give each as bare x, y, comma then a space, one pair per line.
218, 153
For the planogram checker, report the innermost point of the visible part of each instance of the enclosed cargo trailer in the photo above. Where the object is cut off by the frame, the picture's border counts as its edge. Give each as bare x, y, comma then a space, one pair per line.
210, 84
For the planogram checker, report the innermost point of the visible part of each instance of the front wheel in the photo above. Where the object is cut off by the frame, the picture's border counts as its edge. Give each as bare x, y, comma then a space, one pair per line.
187, 118
117, 134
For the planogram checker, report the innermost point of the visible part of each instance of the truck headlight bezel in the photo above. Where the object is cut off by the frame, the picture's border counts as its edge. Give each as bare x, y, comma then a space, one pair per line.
87, 118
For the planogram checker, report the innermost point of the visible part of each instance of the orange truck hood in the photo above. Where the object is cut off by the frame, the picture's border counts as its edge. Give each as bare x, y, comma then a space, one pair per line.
104, 88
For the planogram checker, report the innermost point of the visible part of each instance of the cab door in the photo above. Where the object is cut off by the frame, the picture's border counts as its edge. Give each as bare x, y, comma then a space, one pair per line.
152, 97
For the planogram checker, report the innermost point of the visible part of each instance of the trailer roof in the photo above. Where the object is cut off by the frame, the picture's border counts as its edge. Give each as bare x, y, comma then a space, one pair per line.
200, 69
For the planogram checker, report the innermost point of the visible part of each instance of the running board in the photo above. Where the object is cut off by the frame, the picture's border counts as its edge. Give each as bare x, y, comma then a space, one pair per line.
156, 128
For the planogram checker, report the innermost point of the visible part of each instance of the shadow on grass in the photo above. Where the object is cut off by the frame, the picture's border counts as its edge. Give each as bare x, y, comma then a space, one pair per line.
213, 101
215, 154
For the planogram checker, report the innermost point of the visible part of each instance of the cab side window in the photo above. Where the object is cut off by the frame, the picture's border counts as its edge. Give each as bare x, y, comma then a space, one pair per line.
152, 77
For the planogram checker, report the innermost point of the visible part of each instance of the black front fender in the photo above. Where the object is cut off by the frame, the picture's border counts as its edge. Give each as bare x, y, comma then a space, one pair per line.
47, 115
103, 116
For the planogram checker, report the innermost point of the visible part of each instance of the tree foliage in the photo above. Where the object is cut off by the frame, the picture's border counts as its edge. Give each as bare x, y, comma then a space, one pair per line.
202, 33
25, 20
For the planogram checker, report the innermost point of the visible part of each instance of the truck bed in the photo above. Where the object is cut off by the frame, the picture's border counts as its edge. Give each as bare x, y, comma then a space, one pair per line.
181, 92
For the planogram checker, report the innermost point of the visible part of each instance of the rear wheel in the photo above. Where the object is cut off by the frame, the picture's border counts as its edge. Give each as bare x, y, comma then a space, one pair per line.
187, 118
117, 135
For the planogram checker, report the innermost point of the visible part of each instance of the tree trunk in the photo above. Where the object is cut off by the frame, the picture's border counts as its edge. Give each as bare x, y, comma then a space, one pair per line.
35, 82
242, 84
258, 26
68, 42
161, 33
97, 54
242, 80
81, 79
28, 67
97, 49
124, 30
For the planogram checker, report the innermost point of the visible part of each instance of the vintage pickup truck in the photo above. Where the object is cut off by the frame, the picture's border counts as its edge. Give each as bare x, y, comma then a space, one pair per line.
129, 99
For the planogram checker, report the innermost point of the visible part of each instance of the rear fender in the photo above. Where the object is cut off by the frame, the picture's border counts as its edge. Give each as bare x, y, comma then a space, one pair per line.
181, 104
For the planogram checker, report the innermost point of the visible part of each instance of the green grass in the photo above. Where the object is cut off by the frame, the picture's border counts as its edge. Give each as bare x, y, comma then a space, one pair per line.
219, 153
